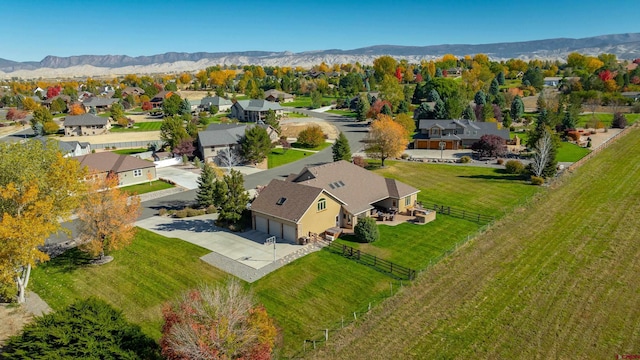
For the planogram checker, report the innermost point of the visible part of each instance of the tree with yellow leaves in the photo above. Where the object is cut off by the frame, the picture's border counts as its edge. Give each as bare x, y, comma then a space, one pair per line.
106, 216
38, 188
387, 139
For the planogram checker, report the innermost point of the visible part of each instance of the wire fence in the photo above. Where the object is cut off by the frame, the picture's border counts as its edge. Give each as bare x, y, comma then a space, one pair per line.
461, 213
121, 145
392, 269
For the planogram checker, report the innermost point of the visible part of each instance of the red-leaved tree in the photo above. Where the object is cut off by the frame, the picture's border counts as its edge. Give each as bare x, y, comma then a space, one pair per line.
399, 74
15, 114
490, 146
605, 75
419, 78
217, 323
53, 91
376, 108
185, 147
146, 106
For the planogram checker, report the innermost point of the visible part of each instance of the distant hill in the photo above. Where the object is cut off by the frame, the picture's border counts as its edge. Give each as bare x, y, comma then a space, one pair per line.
625, 46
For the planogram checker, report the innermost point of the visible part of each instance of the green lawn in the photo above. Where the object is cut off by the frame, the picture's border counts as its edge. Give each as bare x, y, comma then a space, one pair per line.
568, 152
484, 190
130, 151
305, 101
557, 279
322, 146
140, 126
292, 115
280, 156
140, 279
605, 118
146, 188
347, 113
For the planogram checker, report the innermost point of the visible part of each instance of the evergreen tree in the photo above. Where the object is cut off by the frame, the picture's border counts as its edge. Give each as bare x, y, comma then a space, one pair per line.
403, 107
386, 110
424, 111
487, 112
439, 73
341, 149
256, 144
568, 120
433, 95
440, 110
206, 187
185, 107
468, 113
480, 98
362, 107
501, 80
494, 89
517, 108
271, 120
230, 197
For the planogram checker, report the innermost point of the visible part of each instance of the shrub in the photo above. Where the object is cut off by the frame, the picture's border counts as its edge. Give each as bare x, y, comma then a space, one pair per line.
465, 159
404, 156
360, 161
162, 212
619, 121
181, 213
537, 180
500, 161
366, 230
311, 137
210, 210
50, 127
514, 167
192, 212
635, 108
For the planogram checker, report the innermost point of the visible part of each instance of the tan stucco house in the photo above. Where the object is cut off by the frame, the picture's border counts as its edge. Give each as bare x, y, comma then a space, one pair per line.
254, 110
274, 95
322, 197
86, 124
218, 137
130, 170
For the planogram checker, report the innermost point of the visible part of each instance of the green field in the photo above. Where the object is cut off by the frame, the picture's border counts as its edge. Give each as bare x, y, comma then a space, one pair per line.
322, 146
139, 281
568, 152
305, 101
130, 151
347, 113
140, 126
293, 115
555, 279
147, 188
279, 156
605, 118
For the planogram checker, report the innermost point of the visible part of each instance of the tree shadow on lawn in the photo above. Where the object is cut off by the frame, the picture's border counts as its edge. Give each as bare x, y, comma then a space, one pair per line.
70, 261
499, 174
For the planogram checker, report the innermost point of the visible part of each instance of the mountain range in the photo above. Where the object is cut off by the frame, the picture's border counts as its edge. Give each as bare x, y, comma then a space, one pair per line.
625, 46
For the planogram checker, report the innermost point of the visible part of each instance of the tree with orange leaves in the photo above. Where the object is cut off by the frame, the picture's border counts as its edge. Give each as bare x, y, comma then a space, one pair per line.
387, 139
106, 216
76, 109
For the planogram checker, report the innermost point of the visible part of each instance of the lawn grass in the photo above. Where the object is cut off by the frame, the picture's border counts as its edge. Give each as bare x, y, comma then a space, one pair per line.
146, 188
315, 292
140, 126
568, 152
555, 279
130, 151
483, 190
295, 115
347, 113
322, 146
606, 119
140, 279
279, 156
305, 101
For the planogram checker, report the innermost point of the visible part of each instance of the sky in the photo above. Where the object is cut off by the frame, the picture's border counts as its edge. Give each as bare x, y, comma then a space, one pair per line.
36, 29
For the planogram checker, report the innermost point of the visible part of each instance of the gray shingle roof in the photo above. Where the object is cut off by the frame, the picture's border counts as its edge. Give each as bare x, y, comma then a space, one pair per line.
85, 120
258, 105
108, 161
221, 134
475, 128
277, 94
99, 101
215, 101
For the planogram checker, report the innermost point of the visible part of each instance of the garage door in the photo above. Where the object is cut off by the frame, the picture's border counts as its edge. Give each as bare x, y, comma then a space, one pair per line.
275, 228
261, 224
289, 233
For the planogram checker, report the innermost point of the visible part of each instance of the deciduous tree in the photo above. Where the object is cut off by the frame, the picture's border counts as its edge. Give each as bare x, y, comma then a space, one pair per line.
384, 65
223, 322
106, 216
172, 131
490, 146
543, 163
386, 139
171, 106
117, 112
38, 187
311, 137
76, 109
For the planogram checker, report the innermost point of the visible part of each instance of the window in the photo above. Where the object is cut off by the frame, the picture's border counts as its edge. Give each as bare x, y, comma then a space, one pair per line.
137, 172
281, 201
407, 201
322, 204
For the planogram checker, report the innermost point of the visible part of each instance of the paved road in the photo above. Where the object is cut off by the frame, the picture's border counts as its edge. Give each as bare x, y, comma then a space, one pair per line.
18, 135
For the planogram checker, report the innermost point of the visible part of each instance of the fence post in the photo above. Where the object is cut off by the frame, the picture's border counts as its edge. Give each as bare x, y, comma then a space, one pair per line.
304, 345
391, 285
369, 309
354, 316
391, 268
326, 334
375, 260
478, 218
463, 211
343, 322
358, 254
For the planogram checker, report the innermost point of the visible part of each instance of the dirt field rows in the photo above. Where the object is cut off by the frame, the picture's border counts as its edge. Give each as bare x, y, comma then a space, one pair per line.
556, 279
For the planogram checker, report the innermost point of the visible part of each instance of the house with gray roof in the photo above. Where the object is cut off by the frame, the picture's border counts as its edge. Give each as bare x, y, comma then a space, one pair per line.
274, 95
98, 103
218, 137
68, 148
86, 124
221, 103
254, 110
130, 170
332, 195
454, 134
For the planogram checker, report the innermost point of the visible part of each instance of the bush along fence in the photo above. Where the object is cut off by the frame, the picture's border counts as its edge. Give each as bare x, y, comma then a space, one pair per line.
606, 144
394, 270
461, 213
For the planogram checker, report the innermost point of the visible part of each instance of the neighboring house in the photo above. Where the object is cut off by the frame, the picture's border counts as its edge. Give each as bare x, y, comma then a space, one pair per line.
454, 134
274, 95
157, 100
555, 81
86, 124
222, 103
48, 102
218, 137
254, 110
130, 170
132, 90
336, 194
69, 148
634, 95
106, 90
40, 92
99, 104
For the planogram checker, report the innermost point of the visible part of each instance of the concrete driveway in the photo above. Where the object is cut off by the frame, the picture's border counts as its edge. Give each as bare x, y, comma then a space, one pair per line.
243, 254
181, 177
